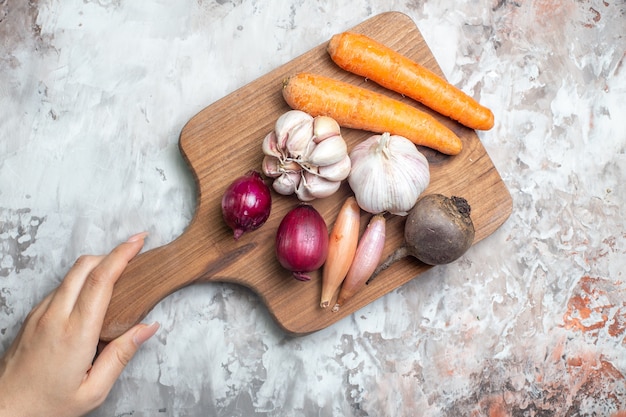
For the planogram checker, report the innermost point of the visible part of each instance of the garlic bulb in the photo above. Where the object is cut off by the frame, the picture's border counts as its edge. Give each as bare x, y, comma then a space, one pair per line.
388, 174
305, 155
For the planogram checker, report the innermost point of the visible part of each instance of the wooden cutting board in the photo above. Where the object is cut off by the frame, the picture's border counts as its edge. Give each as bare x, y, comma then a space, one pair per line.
223, 141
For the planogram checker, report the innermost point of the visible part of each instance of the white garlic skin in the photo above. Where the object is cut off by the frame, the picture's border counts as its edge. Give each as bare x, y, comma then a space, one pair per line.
287, 183
287, 122
337, 171
271, 166
318, 187
274, 167
388, 174
298, 144
305, 155
325, 127
329, 151
270, 145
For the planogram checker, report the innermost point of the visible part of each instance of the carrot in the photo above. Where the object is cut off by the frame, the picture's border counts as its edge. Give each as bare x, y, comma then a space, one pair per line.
366, 57
342, 245
359, 108
368, 254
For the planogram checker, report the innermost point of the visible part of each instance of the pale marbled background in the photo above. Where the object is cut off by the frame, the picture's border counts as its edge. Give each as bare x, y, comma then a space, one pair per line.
530, 322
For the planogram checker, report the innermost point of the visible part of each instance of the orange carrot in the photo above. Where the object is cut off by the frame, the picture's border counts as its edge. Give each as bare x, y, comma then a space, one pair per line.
359, 108
366, 57
368, 254
342, 245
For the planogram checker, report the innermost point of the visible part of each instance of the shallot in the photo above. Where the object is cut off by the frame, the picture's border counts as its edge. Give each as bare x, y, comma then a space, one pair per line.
368, 254
342, 244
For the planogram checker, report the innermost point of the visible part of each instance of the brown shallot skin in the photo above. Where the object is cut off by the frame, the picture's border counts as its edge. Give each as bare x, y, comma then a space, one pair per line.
366, 259
342, 244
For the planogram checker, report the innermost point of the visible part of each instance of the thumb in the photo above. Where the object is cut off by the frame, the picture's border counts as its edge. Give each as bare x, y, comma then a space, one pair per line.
116, 355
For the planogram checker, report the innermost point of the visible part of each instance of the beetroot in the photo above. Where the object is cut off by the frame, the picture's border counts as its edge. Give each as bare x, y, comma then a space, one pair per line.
438, 230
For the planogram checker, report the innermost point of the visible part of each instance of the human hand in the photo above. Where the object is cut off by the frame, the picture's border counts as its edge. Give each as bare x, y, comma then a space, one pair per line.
49, 370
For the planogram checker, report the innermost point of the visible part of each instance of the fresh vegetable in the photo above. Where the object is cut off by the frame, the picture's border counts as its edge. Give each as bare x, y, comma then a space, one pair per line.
364, 56
388, 174
359, 108
246, 203
342, 246
305, 155
302, 241
368, 254
438, 230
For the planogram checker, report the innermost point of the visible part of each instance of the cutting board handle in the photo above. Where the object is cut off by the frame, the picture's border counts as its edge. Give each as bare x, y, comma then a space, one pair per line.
153, 275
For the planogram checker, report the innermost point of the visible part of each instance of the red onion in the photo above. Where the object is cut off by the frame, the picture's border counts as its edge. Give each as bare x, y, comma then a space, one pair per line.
246, 203
302, 241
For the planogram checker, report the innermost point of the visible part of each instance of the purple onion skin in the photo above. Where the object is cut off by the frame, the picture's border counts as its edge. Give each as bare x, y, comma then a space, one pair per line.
246, 203
302, 241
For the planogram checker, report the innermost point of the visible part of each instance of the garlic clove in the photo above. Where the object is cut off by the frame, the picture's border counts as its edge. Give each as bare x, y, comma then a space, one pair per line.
271, 166
319, 187
303, 192
323, 190
275, 167
270, 145
324, 127
287, 183
338, 171
299, 140
286, 122
329, 151
290, 166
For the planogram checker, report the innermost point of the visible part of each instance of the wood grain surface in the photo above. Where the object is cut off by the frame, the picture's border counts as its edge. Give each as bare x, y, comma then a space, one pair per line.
206, 250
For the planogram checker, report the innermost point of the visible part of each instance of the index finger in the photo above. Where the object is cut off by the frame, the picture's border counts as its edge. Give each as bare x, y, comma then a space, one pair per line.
95, 295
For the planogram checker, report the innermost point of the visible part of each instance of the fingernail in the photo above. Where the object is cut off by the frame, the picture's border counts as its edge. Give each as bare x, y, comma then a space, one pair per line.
144, 333
137, 237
